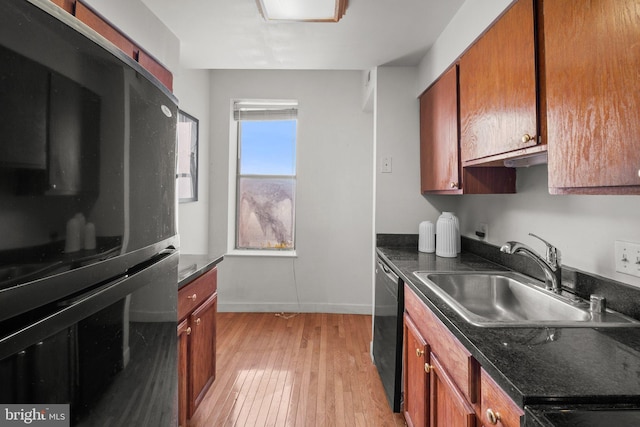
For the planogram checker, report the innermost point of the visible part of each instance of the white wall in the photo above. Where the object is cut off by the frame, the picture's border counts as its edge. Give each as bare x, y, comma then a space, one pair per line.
136, 20
399, 205
333, 269
584, 228
192, 89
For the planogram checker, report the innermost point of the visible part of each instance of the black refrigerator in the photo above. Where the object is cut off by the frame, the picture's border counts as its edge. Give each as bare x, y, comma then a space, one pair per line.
89, 248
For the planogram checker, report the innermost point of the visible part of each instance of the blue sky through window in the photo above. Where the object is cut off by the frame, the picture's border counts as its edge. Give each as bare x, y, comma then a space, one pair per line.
268, 147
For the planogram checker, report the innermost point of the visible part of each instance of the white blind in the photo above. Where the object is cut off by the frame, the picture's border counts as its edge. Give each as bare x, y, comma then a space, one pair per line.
265, 110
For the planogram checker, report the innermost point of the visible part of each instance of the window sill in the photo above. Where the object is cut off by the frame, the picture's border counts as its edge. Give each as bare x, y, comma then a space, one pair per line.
259, 253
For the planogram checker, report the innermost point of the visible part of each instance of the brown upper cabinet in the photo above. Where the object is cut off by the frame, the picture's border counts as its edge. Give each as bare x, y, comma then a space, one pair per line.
119, 39
106, 30
591, 63
439, 159
498, 91
67, 5
440, 171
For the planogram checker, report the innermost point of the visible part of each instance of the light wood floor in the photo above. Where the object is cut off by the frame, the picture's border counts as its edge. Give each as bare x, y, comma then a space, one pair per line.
304, 370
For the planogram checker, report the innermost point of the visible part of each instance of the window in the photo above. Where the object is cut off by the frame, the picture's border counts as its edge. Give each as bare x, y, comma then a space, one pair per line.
187, 164
266, 175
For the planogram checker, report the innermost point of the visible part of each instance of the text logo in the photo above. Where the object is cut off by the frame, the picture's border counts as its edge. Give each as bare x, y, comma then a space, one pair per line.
35, 415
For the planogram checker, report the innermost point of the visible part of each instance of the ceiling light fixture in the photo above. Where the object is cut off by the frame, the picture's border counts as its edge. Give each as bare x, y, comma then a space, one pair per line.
307, 11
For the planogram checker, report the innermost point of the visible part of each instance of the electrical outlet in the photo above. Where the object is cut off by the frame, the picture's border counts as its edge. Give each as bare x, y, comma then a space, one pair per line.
482, 231
627, 258
386, 165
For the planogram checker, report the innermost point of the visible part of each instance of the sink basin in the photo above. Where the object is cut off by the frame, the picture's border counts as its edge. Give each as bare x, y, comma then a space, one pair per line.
509, 299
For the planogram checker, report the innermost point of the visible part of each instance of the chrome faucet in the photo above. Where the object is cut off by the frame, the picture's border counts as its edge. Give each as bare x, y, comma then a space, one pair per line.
550, 264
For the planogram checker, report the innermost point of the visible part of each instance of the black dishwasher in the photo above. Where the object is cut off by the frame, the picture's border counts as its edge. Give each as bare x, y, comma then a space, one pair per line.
387, 332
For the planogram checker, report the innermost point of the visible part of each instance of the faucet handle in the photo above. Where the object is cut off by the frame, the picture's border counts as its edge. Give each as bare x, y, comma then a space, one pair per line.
553, 253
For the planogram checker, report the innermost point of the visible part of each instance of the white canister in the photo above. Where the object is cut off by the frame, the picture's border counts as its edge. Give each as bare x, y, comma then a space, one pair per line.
446, 236
426, 237
458, 239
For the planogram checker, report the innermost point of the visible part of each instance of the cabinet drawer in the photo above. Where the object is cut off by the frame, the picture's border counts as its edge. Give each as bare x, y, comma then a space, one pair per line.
496, 408
195, 293
462, 367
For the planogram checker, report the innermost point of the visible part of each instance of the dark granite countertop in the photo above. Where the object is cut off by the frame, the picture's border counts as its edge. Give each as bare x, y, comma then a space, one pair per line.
533, 365
191, 267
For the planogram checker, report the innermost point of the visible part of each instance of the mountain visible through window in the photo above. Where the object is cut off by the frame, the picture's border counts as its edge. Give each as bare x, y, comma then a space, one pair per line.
266, 184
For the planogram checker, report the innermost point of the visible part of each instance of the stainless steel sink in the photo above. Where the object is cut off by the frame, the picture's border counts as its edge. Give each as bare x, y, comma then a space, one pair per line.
508, 299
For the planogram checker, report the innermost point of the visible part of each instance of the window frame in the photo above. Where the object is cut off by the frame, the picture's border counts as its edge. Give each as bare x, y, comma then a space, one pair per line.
234, 193
192, 176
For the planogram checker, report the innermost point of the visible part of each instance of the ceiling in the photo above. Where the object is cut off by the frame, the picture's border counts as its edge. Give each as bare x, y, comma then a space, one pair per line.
231, 34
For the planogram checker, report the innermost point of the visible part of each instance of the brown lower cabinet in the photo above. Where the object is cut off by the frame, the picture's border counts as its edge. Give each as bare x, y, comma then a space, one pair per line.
444, 384
448, 405
416, 380
197, 307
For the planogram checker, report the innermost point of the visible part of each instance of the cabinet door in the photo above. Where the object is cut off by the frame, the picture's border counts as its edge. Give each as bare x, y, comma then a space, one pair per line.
202, 358
439, 161
498, 102
591, 67
183, 347
448, 405
416, 385
440, 169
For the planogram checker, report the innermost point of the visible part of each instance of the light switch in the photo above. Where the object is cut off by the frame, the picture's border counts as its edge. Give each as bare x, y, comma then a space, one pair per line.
627, 258
386, 165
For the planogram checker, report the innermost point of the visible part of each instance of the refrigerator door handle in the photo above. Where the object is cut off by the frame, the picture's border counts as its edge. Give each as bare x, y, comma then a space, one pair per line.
69, 311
